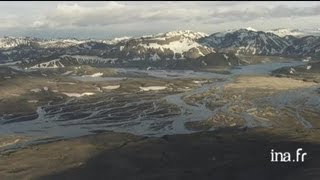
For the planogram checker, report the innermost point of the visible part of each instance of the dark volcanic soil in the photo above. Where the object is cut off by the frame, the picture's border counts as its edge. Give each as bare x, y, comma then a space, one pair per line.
224, 154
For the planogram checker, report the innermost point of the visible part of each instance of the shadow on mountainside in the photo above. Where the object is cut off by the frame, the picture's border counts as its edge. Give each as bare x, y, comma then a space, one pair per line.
224, 154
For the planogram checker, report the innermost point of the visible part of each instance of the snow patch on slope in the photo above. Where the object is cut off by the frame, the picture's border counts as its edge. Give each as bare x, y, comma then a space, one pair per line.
251, 29
152, 88
111, 87
186, 34
176, 46
99, 74
50, 64
78, 94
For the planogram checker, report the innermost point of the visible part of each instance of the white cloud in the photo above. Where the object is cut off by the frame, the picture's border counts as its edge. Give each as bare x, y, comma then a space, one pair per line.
128, 18
112, 13
8, 23
11, 21
73, 15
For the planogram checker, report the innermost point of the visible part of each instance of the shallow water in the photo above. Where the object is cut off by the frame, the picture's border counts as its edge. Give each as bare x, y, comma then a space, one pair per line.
149, 114
93, 79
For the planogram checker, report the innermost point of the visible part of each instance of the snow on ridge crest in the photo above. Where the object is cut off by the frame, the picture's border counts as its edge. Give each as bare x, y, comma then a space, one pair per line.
251, 29
185, 33
285, 32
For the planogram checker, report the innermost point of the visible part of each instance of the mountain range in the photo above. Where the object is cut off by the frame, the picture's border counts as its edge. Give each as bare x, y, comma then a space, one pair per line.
167, 49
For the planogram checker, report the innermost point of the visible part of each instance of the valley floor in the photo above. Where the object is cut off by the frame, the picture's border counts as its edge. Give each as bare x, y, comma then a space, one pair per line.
224, 154
203, 126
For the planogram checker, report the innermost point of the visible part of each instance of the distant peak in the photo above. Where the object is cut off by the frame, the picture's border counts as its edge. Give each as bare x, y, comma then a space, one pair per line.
251, 29
185, 33
122, 38
282, 32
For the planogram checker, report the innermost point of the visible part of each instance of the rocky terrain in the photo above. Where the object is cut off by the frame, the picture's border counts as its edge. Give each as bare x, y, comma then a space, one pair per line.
252, 42
247, 41
59, 53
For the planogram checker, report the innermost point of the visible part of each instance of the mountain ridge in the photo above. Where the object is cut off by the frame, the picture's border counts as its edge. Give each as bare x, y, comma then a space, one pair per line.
172, 45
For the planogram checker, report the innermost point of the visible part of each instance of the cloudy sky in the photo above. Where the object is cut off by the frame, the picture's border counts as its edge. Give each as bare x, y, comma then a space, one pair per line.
106, 20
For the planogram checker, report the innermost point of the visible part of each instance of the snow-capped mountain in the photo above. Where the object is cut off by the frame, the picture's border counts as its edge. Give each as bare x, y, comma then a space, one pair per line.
246, 41
186, 34
251, 29
282, 32
10, 42
175, 45
169, 46
117, 40
60, 43
67, 60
